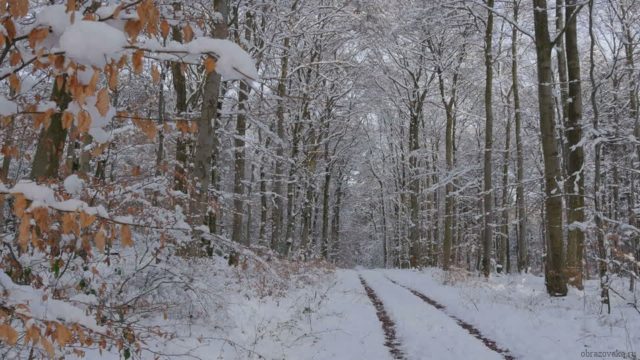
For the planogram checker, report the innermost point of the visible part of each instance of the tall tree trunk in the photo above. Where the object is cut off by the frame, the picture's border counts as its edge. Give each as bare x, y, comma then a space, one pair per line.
184, 140
575, 163
523, 263
556, 281
335, 222
237, 234
602, 251
505, 260
449, 201
161, 111
487, 235
324, 245
414, 188
52, 139
277, 213
206, 140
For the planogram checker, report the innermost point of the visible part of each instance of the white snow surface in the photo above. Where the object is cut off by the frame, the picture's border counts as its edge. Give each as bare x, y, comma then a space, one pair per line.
516, 312
92, 42
423, 331
7, 107
236, 314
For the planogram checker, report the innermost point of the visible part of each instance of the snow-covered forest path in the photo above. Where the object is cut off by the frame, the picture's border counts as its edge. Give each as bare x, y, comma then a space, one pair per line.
422, 330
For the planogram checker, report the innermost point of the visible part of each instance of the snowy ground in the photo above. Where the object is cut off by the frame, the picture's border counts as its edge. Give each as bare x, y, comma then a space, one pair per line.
332, 318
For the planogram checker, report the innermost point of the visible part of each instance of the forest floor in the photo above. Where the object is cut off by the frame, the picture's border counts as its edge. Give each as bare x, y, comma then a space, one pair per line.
403, 314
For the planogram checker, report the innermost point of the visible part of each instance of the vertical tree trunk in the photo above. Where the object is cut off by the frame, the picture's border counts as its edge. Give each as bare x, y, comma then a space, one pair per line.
264, 197
488, 144
183, 141
554, 273
335, 222
279, 176
602, 251
522, 210
414, 188
161, 111
575, 163
504, 233
239, 167
51, 142
324, 245
206, 139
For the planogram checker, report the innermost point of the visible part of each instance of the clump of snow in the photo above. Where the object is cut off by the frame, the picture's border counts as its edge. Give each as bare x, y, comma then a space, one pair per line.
73, 184
92, 43
34, 192
7, 107
55, 17
57, 20
233, 62
85, 75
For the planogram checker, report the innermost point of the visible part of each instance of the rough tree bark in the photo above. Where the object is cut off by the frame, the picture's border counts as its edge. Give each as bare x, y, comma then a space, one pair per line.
556, 282
52, 139
206, 138
487, 234
522, 209
575, 156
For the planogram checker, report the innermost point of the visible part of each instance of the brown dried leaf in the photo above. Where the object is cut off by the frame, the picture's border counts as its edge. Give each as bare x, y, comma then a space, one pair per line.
62, 335
70, 224
133, 28
19, 205
15, 58
67, 120
24, 235
102, 102
112, 72
8, 334
10, 26
137, 61
71, 5
155, 74
84, 121
187, 33
125, 234
32, 334
100, 240
18, 8
48, 347
86, 220
210, 64
41, 216
164, 28
14, 83
93, 83
37, 35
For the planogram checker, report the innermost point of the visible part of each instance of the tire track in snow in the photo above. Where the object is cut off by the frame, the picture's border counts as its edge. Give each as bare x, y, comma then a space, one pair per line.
472, 330
388, 326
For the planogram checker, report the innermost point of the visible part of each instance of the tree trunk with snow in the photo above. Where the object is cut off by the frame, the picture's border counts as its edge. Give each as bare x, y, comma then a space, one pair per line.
46, 161
554, 273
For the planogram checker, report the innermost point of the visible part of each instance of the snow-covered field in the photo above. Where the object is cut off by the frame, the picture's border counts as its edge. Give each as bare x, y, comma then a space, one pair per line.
331, 317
